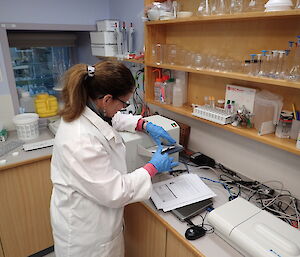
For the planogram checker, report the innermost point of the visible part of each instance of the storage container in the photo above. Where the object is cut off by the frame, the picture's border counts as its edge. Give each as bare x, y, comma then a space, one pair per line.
103, 38
104, 50
27, 125
107, 25
267, 108
46, 105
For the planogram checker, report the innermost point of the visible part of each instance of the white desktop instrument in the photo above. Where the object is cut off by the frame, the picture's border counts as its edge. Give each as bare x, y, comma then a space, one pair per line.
254, 232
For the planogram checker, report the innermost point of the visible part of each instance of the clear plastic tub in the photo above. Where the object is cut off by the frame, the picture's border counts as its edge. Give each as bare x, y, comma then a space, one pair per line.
27, 125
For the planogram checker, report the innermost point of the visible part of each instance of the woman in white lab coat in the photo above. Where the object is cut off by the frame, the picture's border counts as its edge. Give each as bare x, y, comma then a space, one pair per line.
88, 168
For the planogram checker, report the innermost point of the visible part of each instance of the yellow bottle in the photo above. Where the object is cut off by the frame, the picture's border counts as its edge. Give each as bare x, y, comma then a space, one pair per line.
46, 105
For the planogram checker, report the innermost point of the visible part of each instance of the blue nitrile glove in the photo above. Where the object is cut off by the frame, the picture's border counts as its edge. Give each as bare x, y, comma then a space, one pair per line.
162, 162
157, 132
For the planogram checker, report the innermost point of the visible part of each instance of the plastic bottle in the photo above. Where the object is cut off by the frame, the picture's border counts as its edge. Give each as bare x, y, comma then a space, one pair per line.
27, 102
177, 94
157, 85
169, 90
163, 89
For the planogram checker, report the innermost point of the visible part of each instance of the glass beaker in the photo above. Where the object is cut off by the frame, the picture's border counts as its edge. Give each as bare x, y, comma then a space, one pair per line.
157, 54
171, 53
222, 7
198, 61
255, 6
204, 8
181, 53
189, 59
236, 6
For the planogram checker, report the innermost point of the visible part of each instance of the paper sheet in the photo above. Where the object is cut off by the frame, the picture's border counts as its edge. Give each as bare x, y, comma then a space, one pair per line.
180, 191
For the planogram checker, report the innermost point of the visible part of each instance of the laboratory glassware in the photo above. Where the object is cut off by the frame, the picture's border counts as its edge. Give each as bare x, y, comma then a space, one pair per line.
263, 64
255, 6
213, 7
171, 51
204, 8
198, 61
221, 7
157, 53
189, 59
294, 73
181, 53
253, 65
236, 6
273, 63
297, 6
280, 65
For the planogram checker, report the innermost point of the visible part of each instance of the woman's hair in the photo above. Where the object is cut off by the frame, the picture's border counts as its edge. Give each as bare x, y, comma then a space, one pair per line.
110, 77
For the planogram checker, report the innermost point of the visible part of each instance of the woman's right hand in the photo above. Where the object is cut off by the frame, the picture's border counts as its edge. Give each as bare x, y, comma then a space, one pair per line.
162, 162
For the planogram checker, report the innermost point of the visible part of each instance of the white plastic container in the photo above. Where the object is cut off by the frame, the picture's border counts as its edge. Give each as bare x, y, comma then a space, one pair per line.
27, 102
104, 50
177, 94
27, 125
267, 109
103, 37
106, 25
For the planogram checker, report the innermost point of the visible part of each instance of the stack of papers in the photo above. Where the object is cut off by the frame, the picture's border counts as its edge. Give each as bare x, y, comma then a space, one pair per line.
180, 191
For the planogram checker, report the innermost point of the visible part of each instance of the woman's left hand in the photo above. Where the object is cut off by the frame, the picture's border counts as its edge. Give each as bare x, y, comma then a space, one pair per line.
157, 132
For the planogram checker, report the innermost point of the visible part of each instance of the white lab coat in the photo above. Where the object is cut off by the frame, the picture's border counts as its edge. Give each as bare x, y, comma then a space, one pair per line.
91, 186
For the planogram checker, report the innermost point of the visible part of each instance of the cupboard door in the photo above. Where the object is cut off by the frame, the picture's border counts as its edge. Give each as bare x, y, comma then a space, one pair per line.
1, 250
145, 236
177, 248
25, 193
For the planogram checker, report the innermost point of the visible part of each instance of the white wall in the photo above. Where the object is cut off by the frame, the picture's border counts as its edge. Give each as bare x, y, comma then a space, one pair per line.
54, 11
248, 157
130, 11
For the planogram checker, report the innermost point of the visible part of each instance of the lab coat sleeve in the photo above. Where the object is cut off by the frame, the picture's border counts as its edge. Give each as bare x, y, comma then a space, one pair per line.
93, 176
125, 122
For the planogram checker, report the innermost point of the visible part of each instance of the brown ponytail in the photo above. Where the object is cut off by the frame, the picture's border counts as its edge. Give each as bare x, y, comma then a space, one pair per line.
110, 77
74, 94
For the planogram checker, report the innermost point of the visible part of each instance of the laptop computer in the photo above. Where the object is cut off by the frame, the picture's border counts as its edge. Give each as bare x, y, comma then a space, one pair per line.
191, 210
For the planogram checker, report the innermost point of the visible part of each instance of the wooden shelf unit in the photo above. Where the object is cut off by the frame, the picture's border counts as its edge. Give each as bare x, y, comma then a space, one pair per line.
229, 17
233, 36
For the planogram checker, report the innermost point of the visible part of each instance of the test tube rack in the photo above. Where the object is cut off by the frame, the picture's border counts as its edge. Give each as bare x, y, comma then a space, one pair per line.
216, 115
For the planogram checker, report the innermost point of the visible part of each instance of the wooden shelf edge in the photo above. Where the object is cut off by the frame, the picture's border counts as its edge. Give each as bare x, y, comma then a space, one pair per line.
231, 75
121, 59
229, 17
288, 145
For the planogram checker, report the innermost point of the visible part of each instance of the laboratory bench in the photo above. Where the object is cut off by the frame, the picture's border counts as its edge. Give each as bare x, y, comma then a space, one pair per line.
25, 191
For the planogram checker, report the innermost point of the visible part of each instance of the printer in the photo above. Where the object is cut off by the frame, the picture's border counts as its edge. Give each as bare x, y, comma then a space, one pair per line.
253, 231
140, 147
